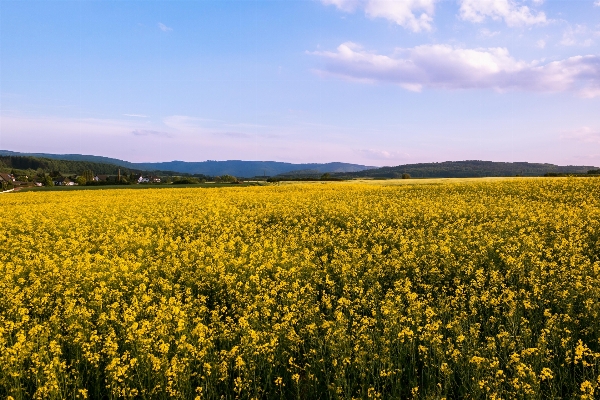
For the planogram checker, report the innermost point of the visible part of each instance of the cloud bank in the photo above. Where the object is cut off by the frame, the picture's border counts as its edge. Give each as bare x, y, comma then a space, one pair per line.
415, 15
448, 67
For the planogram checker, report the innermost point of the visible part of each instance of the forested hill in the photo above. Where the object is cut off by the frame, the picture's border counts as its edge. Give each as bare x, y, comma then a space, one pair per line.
74, 157
237, 168
77, 163
466, 169
249, 169
47, 165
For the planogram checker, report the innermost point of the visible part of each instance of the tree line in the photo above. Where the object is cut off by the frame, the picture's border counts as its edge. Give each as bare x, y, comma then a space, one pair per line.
467, 169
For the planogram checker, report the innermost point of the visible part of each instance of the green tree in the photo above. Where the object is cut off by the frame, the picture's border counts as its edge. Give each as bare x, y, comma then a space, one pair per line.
405, 176
326, 175
48, 181
81, 180
185, 181
228, 178
88, 174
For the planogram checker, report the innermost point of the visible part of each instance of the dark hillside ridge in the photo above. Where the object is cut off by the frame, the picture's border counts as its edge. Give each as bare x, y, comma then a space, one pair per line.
73, 157
48, 165
467, 169
239, 168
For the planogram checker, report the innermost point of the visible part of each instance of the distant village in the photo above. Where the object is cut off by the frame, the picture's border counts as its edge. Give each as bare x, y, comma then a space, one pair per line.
12, 181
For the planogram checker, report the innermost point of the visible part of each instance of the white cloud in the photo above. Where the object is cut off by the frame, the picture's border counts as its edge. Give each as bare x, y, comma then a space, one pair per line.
590, 92
415, 15
485, 32
163, 27
149, 132
541, 43
183, 123
344, 5
510, 11
597, 3
447, 67
583, 134
373, 154
580, 35
136, 115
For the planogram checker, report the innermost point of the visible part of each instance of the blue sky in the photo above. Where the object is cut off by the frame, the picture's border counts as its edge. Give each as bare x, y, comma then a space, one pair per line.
365, 81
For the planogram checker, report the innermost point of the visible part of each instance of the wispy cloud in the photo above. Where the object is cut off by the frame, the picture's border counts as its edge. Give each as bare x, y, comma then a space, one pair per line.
374, 154
136, 115
447, 67
510, 11
579, 35
182, 138
485, 32
201, 126
234, 135
415, 15
597, 3
186, 124
66, 135
148, 132
163, 27
583, 134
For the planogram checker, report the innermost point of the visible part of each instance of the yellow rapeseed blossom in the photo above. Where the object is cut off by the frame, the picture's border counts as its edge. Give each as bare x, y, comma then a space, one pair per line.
458, 289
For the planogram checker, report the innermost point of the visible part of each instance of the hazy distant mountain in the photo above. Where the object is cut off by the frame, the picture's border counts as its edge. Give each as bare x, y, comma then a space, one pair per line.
249, 168
466, 169
238, 168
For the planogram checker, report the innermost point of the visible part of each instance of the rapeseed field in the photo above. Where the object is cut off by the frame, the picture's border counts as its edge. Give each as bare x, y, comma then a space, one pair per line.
479, 289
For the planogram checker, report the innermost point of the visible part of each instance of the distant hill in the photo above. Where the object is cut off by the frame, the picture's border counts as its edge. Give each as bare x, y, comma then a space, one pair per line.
467, 169
47, 165
72, 157
450, 169
250, 169
237, 168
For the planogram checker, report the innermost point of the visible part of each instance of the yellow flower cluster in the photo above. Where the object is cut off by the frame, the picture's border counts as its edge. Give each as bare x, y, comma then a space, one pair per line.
454, 290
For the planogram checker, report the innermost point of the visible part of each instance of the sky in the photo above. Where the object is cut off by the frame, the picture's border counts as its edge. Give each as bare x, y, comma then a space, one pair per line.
372, 82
